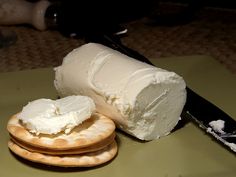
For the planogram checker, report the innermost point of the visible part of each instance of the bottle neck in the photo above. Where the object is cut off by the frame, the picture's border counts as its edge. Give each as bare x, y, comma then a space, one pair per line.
51, 16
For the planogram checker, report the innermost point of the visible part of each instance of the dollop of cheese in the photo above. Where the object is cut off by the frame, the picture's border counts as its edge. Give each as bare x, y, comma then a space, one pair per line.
48, 116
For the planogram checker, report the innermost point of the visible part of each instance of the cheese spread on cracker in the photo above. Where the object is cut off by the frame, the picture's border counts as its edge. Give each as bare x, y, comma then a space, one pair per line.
48, 116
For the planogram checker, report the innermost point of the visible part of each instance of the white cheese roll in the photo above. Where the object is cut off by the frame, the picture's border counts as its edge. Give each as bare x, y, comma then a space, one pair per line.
143, 100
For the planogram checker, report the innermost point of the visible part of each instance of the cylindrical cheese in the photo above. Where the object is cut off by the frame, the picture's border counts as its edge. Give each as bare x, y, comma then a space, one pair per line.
143, 100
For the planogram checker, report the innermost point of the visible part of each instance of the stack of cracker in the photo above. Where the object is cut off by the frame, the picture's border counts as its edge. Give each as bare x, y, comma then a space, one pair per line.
89, 144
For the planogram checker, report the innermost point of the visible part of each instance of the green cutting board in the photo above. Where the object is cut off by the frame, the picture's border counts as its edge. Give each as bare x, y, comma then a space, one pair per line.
186, 152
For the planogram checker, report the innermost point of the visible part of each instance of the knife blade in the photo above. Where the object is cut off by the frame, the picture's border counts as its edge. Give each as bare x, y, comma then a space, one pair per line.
211, 118
202, 112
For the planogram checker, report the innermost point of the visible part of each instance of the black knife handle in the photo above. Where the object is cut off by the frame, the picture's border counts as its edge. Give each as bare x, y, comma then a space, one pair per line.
114, 42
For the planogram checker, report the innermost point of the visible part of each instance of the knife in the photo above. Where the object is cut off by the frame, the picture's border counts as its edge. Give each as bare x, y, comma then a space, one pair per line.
202, 112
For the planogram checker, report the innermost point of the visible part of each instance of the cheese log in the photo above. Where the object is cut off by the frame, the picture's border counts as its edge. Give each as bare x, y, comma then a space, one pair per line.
143, 100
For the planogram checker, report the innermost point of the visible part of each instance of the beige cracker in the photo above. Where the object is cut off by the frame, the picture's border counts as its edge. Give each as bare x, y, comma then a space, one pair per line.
95, 147
90, 132
84, 160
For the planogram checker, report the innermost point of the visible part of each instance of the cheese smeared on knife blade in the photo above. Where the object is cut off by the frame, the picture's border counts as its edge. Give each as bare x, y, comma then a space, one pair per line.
143, 100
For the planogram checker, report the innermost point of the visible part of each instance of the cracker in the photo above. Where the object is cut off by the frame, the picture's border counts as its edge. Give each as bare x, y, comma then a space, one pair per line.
95, 147
90, 132
84, 160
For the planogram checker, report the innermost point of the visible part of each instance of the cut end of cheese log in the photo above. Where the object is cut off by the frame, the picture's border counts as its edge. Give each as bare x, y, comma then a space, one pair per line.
143, 100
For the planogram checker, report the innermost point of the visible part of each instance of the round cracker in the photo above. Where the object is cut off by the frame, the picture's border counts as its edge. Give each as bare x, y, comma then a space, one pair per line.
95, 147
84, 160
91, 131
